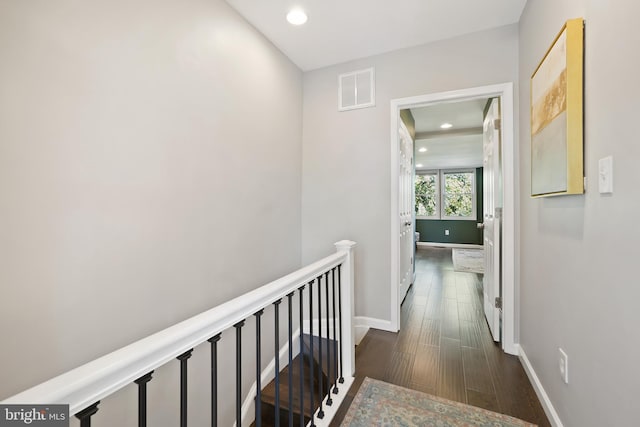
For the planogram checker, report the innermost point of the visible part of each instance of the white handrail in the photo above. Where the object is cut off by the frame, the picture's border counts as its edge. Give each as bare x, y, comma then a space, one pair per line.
89, 383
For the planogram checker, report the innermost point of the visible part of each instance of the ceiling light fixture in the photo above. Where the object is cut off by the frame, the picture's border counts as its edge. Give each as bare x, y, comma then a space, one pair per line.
419, 165
423, 150
446, 126
296, 17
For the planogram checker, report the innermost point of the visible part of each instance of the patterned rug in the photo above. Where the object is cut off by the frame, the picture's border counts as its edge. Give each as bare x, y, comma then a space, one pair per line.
468, 260
381, 404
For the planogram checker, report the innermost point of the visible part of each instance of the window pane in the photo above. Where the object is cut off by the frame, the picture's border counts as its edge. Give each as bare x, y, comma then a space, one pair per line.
426, 195
458, 198
458, 205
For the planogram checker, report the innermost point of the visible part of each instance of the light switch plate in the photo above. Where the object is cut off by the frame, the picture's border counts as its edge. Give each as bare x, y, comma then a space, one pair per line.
605, 175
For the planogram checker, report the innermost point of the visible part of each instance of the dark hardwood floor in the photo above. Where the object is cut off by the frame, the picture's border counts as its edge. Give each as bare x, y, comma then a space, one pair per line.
445, 347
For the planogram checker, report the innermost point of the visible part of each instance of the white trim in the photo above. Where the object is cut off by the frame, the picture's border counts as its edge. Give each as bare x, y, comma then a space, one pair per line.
449, 245
362, 325
505, 92
551, 412
359, 333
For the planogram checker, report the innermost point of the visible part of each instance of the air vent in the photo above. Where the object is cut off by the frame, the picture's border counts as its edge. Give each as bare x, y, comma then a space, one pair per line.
356, 90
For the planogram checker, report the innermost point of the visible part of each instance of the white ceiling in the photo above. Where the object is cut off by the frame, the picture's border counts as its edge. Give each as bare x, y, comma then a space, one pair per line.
343, 30
458, 147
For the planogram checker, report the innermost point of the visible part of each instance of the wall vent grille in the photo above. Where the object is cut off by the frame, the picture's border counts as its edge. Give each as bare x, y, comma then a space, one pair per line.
356, 90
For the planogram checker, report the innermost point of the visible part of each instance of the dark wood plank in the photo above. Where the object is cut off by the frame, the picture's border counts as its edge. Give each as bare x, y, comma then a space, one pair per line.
433, 309
420, 299
463, 288
482, 400
476, 371
373, 354
426, 368
408, 342
451, 373
466, 311
470, 334
450, 327
449, 286
400, 369
430, 332
410, 332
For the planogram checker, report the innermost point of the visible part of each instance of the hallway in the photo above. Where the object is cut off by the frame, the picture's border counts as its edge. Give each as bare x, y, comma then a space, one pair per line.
445, 348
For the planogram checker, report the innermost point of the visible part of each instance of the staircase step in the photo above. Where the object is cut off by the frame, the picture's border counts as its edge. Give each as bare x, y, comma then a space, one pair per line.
306, 339
268, 400
269, 392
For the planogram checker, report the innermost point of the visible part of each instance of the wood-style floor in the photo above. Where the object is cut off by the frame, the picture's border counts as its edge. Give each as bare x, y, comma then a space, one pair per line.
445, 348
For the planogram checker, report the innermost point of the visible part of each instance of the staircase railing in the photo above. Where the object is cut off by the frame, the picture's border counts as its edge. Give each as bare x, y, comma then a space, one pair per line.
328, 321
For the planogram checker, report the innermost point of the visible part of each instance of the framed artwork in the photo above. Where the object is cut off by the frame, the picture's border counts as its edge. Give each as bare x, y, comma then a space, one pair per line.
557, 165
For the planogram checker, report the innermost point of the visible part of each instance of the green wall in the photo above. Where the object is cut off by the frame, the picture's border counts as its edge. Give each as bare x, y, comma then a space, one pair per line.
432, 230
409, 121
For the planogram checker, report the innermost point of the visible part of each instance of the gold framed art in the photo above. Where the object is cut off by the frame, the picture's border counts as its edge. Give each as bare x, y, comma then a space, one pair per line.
557, 140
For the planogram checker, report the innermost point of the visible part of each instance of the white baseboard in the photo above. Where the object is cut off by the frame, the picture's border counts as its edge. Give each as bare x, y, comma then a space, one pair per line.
554, 419
449, 245
359, 332
362, 325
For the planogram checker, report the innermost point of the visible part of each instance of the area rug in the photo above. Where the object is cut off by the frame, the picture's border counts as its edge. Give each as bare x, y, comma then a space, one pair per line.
468, 260
382, 404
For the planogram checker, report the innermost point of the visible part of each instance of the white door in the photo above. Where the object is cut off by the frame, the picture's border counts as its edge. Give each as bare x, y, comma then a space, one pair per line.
406, 216
492, 200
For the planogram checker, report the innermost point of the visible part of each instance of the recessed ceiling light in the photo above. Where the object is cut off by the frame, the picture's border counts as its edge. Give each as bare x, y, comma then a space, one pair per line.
419, 165
296, 17
446, 126
423, 150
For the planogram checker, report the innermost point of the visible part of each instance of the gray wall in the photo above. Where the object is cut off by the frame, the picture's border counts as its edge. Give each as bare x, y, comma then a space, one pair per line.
346, 156
143, 163
578, 272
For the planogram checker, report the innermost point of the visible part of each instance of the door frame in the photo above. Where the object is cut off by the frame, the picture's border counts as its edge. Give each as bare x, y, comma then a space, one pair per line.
510, 186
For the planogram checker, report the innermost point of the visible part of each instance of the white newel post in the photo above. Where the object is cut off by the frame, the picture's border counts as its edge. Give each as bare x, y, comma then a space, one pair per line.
347, 296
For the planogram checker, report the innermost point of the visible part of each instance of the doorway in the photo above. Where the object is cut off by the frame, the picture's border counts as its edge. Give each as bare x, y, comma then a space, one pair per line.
505, 93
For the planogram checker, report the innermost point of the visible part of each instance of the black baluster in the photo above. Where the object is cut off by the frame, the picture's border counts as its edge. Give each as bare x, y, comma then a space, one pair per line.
301, 343
335, 339
142, 398
183, 386
320, 376
290, 366
326, 299
276, 306
214, 380
311, 367
85, 415
258, 403
238, 327
341, 380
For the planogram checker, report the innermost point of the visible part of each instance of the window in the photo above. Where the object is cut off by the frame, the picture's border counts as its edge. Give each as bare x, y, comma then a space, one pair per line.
448, 194
458, 195
427, 196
